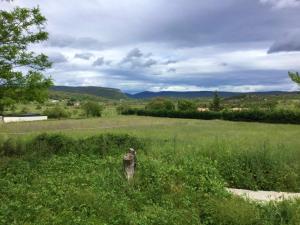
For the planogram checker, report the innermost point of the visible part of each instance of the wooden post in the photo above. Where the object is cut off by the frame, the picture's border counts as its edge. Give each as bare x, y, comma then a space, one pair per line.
129, 163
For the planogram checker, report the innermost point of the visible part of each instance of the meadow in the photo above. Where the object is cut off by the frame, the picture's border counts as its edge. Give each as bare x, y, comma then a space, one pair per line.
183, 167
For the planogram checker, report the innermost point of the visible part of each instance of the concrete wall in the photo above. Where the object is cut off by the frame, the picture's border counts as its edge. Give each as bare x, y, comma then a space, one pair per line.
22, 119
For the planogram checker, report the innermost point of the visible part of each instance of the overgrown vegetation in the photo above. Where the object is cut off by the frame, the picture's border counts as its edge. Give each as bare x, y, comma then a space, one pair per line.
56, 112
54, 179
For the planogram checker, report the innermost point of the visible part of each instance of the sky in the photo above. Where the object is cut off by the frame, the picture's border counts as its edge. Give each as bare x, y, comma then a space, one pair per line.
178, 45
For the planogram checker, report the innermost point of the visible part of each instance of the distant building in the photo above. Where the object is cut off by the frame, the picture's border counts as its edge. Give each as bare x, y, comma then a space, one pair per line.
77, 104
22, 118
199, 109
54, 101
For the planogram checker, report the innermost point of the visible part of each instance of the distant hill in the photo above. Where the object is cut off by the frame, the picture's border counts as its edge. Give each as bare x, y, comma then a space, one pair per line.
199, 94
109, 93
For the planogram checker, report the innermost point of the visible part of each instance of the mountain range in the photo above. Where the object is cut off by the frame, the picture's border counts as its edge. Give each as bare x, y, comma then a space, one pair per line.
112, 93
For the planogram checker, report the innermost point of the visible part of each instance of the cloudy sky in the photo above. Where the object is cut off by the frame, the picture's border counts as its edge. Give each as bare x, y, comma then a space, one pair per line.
181, 45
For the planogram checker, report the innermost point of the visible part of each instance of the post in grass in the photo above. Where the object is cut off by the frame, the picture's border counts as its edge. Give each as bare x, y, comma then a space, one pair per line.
129, 163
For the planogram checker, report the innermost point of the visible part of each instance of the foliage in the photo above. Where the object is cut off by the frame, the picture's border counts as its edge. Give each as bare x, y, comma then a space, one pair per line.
56, 112
123, 107
186, 105
257, 170
92, 109
295, 77
160, 104
71, 101
276, 116
21, 77
229, 211
215, 105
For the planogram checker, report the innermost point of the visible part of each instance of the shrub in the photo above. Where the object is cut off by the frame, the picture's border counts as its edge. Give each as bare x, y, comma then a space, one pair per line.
56, 112
160, 104
186, 105
92, 109
12, 147
122, 108
25, 110
45, 144
38, 107
282, 116
175, 114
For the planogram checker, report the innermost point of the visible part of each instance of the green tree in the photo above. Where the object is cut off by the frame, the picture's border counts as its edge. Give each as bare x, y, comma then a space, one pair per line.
295, 77
186, 105
92, 109
21, 78
215, 105
160, 104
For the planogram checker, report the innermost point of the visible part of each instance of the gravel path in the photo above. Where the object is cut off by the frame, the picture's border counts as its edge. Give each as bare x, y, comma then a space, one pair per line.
264, 196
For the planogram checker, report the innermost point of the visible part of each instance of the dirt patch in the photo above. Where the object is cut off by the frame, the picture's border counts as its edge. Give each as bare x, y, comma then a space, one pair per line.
264, 196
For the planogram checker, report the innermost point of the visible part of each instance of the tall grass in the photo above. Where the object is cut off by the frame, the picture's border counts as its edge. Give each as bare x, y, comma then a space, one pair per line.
80, 181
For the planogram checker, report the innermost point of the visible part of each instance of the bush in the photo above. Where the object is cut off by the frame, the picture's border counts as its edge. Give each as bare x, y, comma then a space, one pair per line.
122, 108
57, 112
12, 147
25, 110
282, 116
160, 104
45, 144
175, 114
92, 109
186, 105
58, 144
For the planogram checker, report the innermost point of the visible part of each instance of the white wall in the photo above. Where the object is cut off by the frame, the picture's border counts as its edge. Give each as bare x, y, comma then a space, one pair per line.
25, 118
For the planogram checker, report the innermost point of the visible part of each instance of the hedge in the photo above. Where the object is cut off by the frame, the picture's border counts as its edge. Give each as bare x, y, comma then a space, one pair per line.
280, 116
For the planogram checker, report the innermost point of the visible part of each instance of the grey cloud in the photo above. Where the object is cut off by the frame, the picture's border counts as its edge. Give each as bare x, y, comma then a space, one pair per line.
170, 62
134, 53
57, 58
288, 43
84, 55
135, 58
149, 62
99, 62
63, 41
181, 23
172, 70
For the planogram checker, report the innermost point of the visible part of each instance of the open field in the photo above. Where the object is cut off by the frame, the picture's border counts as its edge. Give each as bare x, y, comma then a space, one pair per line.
189, 130
183, 167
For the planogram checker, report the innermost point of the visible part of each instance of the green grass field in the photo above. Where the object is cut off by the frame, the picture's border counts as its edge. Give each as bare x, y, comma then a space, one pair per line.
181, 173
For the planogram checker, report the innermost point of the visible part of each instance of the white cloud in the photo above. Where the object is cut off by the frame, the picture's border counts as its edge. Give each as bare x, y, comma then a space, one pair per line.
279, 4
